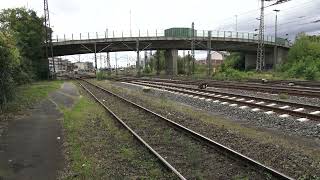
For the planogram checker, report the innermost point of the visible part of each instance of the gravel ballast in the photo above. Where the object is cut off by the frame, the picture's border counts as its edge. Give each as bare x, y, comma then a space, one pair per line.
194, 159
286, 159
260, 119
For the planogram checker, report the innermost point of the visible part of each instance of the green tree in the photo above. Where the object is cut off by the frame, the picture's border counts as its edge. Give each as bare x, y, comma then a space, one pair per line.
9, 61
29, 33
159, 55
183, 64
303, 58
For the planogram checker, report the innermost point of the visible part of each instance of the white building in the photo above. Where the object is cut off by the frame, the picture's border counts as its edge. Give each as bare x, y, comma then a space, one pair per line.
61, 65
83, 66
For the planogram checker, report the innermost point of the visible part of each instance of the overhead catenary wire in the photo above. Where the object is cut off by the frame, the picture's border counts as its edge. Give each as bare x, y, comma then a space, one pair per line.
230, 19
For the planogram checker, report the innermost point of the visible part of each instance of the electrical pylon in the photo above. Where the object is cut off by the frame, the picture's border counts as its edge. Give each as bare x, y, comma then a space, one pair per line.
48, 32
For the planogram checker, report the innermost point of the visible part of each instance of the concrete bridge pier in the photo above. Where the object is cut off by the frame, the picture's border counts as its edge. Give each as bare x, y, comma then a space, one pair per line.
171, 58
271, 61
138, 58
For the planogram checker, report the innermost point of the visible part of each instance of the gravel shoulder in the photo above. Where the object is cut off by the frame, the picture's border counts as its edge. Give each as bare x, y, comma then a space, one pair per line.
291, 153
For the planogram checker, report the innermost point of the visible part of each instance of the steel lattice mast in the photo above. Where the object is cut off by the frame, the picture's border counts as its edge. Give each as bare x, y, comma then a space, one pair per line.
260, 52
260, 64
48, 32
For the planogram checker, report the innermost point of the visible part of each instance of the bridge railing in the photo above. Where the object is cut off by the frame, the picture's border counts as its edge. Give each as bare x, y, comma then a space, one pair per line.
235, 36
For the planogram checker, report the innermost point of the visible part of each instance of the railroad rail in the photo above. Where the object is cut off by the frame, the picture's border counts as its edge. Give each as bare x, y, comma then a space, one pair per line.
196, 136
296, 91
304, 112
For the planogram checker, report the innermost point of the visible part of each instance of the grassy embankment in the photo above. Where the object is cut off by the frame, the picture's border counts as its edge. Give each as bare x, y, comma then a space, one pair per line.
99, 148
29, 94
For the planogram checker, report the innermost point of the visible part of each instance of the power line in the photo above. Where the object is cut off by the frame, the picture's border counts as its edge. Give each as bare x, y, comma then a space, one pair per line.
254, 19
291, 22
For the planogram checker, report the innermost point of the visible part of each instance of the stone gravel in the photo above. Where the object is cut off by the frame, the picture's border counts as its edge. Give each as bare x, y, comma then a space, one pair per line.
288, 125
290, 98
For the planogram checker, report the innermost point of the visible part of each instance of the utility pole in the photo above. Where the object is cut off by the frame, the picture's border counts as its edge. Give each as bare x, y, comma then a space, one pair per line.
116, 58
100, 61
48, 39
95, 57
236, 23
192, 46
130, 25
209, 53
138, 57
260, 63
108, 62
260, 51
275, 38
158, 62
145, 59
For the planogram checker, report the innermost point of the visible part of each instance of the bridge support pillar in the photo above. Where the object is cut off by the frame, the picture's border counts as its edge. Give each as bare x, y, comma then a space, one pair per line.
280, 56
171, 57
95, 57
138, 59
270, 60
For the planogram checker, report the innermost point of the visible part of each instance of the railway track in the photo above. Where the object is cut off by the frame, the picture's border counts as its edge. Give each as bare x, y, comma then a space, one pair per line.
311, 92
303, 112
186, 153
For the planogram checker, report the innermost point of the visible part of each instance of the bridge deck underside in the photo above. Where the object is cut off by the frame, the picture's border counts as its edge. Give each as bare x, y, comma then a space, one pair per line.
115, 45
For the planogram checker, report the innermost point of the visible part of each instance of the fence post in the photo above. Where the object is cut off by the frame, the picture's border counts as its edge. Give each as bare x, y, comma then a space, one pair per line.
156, 33
57, 38
72, 36
97, 35
88, 36
80, 36
147, 33
113, 33
139, 32
122, 34
64, 37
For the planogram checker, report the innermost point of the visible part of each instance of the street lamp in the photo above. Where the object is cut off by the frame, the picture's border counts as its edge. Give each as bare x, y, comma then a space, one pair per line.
275, 38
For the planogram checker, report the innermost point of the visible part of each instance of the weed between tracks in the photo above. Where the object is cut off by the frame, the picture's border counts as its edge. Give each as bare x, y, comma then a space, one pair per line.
99, 148
289, 155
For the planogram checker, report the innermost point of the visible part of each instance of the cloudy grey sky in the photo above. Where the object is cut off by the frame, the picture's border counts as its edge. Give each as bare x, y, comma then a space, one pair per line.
75, 16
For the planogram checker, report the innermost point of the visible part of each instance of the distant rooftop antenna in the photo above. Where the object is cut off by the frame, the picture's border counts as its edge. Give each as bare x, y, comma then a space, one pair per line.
48, 32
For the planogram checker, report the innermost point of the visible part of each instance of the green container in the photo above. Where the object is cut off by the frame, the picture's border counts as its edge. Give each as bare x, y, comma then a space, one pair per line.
179, 32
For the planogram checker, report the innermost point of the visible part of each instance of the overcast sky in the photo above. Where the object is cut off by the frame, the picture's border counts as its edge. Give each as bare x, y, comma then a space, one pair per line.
75, 16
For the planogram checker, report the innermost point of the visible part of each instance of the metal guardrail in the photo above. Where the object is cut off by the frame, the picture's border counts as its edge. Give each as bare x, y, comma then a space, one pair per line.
240, 36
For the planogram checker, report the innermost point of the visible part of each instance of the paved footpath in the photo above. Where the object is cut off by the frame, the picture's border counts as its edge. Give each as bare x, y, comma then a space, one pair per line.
32, 147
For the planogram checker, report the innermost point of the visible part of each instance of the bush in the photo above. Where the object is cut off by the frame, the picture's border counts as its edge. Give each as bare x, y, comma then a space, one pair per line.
101, 76
230, 74
9, 60
311, 73
147, 70
303, 59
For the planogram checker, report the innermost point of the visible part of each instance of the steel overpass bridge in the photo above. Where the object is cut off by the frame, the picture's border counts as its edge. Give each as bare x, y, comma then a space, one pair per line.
157, 40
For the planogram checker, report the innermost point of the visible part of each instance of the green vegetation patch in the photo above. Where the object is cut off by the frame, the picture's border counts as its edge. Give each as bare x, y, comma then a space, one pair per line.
99, 148
101, 76
27, 95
